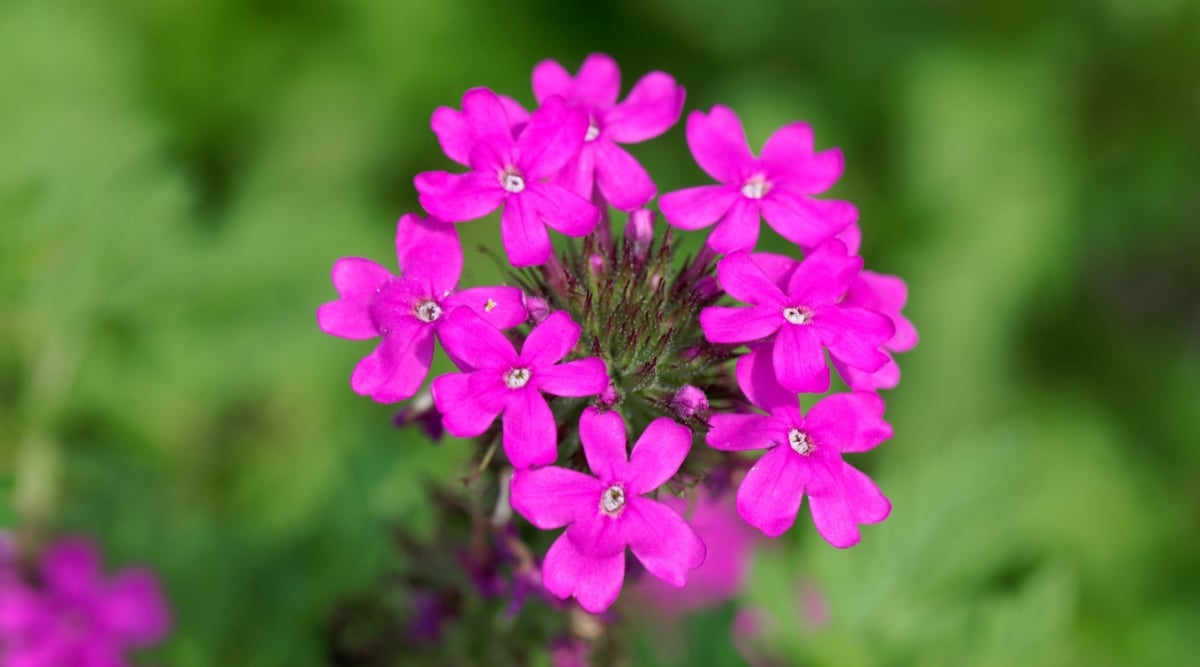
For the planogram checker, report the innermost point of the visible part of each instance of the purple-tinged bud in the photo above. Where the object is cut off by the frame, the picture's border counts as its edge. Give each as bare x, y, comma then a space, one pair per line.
690, 353
690, 402
655, 279
568, 652
537, 308
639, 233
609, 397
596, 263
422, 413
706, 289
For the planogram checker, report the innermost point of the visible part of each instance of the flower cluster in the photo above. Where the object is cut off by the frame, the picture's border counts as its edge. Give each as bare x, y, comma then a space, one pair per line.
68, 614
696, 360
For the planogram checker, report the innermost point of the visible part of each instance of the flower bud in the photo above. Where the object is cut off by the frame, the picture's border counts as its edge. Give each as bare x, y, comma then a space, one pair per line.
639, 233
537, 308
689, 402
422, 413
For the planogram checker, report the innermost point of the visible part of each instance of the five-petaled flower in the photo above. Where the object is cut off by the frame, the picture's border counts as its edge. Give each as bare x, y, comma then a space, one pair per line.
510, 172
804, 456
778, 185
496, 380
73, 616
605, 513
650, 109
802, 318
407, 310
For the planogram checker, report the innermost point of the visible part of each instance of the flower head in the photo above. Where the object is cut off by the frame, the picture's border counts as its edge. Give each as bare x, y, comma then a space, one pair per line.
510, 172
407, 310
607, 512
650, 109
496, 380
76, 617
778, 185
804, 456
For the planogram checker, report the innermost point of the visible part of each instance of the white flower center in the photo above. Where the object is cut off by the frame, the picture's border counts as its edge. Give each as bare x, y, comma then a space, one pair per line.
797, 315
428, 311
593, 131
515, 378
756, 187
512, 181
612, 500
800, 442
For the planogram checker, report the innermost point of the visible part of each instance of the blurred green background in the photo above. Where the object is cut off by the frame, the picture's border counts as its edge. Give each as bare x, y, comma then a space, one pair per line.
177, 177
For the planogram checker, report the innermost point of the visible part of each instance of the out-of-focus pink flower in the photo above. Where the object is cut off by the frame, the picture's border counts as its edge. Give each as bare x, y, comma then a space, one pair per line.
730, 543
496, 380
77, 617
777, 186
651, 108
407, 310
608, 512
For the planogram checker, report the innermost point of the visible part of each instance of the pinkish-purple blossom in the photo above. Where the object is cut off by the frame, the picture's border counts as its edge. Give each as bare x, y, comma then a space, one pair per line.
804, 456
651, 108
802, 319
407, 310
510, 173
778, 186
74, 616
497, 381
883, 294
608, 512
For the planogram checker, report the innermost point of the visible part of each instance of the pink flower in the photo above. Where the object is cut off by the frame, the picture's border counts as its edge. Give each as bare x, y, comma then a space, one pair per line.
653, 106
75, 617
804, 455
883, 294
498, 381
606, 513
407, 310
778, 185
509, 172
803, 319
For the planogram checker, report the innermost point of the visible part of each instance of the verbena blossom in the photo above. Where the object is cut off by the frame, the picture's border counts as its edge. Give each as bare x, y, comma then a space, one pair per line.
510, 172
607, 512
651, 108
407, 310
496, 380
73, 615
778, 186
801, 320
887, 295
804, 456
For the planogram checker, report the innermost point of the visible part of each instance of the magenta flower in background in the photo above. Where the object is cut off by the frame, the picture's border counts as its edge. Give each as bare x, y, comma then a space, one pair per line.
804, 456
803, 319
496, 380
509, 172
650, 109
779, 185
76, 617
406, 311
606, 513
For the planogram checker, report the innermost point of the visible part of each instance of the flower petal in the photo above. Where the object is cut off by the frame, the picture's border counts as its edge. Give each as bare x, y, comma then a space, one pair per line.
603, 437
824, 276
562, 210
742, 278
756, 378
582, 377
524, 236
595, 581
134, 608
699, 207
788, 145
622, 179
465, 413
779, 268
553, 497
397, 367
552, 137
803, 220
454, 134
854, 335
485, 114
579, 174
657, 455
719, 145
551, 340
837, 515
429, 250
598, 82
71, 568
853, 422
459, 197
549, 79
770, 495
651, 108
799, 361
503, 307
530, 435
740, 432
740, 325
788, 154
887, 377
356, 280
738, 230
665, 544
473, 340
885, 294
